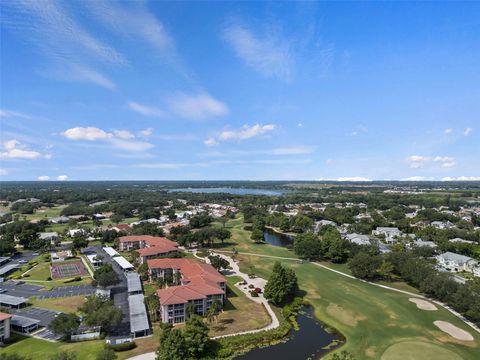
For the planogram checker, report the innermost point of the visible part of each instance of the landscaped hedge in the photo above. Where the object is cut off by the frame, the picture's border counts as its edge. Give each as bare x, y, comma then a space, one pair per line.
123, 347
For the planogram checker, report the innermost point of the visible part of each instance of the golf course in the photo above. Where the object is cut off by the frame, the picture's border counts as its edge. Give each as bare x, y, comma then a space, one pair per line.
377, 323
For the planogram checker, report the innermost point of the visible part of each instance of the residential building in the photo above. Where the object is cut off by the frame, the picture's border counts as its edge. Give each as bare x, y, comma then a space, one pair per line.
462, 241
442, 224
60, 220
358, 239
390, 233
197, 284
456, 262
4, 326
421, 243
49, 236
147, 246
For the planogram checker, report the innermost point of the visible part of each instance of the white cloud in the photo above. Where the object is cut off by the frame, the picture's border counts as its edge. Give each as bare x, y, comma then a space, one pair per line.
86, 133
135, 146
123, 134
300, 125
211, 142
467, 131
13, 149
418, 178
146, 132
446, 161
121, 139
62, 177
328, 161
196, 106
246, 132
447, 131
145, 110
43, 178
82, 73
269, 55
461, 178
3, 172
417, 161
48, 156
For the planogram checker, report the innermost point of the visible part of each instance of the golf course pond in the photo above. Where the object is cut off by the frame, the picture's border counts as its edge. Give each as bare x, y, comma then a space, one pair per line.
275, 238
310, 341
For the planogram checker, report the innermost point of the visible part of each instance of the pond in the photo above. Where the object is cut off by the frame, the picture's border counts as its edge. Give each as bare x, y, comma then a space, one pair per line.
233, 191
277, 239
310, 341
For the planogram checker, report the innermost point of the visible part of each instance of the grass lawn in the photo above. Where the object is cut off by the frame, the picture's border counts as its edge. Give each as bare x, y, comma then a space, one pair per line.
240, 313
41, 349
66, 304
373, 320
44, 213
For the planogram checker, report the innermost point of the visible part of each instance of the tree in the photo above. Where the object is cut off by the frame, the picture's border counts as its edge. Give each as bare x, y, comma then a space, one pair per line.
172, 344
153, 305
281, 285
257, 236
385, 270
106, 354
213, 311
105, 276
364, 265
307, 246
65, 325
218, 262
196, 336
100, 311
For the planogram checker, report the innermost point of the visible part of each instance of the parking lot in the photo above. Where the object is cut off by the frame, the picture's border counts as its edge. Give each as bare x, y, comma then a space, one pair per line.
48, 335
45, 316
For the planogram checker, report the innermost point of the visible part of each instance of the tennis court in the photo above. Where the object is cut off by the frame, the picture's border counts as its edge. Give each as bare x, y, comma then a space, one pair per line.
67, 270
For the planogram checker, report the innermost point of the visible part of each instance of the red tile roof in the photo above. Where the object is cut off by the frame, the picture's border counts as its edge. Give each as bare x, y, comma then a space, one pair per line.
199, 279
148, 239
4, 316
122, 226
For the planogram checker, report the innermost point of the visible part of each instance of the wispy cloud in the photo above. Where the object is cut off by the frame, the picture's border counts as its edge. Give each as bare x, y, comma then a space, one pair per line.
43, 178
3, 172
62, 177
145, 110
246, 132
448, 131
134, 20
419, 161
117, 138
467, 131
269, 54
4, 113
197, 106
418, 178
49, 27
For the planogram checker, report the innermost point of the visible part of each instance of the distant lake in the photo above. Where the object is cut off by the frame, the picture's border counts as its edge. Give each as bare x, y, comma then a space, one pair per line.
308, 342
233, 191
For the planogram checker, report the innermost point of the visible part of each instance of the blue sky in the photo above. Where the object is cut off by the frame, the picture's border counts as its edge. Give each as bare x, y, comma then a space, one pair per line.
239, 90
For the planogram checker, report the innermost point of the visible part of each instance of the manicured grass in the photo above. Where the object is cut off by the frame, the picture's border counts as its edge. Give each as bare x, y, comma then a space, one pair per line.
371, 318
41, 349
411, 350
144, 345
44, 213
66, 304
240, 313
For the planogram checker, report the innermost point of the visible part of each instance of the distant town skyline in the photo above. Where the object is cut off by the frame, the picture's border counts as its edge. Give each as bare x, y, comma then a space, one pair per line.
349, 91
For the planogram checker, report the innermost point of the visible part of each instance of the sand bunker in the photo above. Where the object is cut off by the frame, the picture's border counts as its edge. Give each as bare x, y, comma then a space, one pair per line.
423, 305
453, 331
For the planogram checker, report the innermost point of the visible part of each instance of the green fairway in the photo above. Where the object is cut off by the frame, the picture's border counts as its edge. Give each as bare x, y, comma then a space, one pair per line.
410, 350
372, 319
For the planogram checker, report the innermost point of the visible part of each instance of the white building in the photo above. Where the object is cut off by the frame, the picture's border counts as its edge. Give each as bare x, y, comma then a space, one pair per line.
390, 233
4, 326
358, 239
456, 262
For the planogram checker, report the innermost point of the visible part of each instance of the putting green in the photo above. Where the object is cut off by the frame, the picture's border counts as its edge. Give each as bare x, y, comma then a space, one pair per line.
417, 350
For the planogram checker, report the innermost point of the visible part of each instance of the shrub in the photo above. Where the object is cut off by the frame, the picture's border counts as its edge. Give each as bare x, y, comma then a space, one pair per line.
123, 347
251, 286
253, 293
49, 278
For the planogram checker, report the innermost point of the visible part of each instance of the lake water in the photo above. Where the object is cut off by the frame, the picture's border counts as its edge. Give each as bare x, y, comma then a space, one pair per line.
277, 239
308, 342
233, 191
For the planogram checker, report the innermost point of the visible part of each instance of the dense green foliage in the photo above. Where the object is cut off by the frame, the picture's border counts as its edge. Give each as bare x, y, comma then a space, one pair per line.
282, 284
